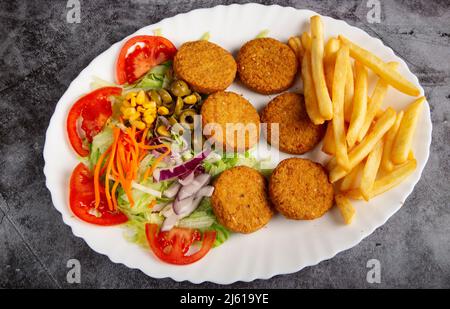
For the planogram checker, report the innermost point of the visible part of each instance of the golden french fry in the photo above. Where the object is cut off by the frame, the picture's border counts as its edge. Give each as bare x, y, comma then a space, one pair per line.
403, 140
361, 151
388, 181
345, 207
375, 102
393, 178
329, 147
371, 169
386, 163
317, 51
312, 107
340, 74
331, 49
306, 41
296, 45
350, 180
349, 92
354, 194
392, 77
329, 74
331, 165
380, 112
359, 104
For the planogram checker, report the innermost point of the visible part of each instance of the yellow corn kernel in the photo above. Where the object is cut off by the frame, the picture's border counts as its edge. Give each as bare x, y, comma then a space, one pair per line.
126, 103
140, 109
149, 104
133, 101
190, 99
140, 99
138, 124
162, 110
148, 112
162, 130
134, 116
149, 119
130, 95
128, 111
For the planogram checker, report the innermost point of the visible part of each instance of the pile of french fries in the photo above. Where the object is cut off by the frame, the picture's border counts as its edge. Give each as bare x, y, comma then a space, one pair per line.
370, 147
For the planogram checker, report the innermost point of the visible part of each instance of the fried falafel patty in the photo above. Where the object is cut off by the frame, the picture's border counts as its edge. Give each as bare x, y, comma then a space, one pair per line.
266, 65
205, 66
299, 189
297, 134
230, 120
240, 200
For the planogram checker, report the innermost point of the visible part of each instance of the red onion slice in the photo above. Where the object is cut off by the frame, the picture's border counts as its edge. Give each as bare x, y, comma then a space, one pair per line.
187, 180
172, 191
169, 223
206, 191
158, 207
180, 205
181, 169
188, 210
192, 188
167, 211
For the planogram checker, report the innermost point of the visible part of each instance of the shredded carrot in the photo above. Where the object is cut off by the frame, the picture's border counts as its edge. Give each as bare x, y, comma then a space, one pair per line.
97, 177
141, 156
128, 155
102, 171
158, 160
122, 173
152, 204
144, 136
113, 193
121, 163
108, 169
121, 153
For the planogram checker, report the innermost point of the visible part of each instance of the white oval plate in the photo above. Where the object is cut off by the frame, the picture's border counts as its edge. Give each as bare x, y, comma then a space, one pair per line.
283, 246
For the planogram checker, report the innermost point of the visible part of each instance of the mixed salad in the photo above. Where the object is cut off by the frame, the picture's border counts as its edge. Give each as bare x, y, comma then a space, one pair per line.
137, 166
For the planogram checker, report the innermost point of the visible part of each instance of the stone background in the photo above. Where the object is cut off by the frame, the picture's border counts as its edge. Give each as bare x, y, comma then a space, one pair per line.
40, 54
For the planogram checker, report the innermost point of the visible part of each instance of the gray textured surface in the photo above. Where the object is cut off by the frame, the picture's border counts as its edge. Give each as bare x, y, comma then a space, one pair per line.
40, 54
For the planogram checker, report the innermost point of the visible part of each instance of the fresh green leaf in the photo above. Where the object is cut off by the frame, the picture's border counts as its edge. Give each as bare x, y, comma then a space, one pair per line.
158, 77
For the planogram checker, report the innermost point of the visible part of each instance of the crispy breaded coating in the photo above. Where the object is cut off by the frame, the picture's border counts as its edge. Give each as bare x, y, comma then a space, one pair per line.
223, 109
297, 134
267, 66
240, 201
299, 189
205, 66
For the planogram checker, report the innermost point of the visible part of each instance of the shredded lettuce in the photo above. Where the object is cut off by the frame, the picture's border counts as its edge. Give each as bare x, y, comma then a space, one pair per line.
98, 82
222, 234
158, 77
215, 167
202, 218
141, 199
100, 144
262, 34
157, 32
203, 214
205, 36
140, 213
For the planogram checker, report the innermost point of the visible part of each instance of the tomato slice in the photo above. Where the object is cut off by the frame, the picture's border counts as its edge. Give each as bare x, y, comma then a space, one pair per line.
82, 200
132, 66
172, 246
93, 109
